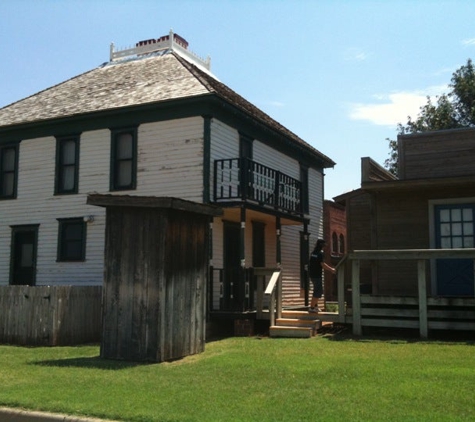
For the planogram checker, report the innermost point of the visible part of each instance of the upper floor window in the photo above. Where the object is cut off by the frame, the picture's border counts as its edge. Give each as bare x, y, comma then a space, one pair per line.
334, 243
245, 146
72, 239
124, 159
67, 165
8, 171
342, 244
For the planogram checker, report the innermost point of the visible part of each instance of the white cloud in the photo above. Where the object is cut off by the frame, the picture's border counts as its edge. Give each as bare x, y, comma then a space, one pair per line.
355, 54
277, 104
470, 41
393, 108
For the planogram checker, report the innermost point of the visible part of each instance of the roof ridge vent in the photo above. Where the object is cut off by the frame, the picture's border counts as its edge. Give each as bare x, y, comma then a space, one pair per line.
171, 41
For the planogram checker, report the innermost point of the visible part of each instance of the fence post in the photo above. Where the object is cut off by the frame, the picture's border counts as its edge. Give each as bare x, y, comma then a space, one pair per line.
421, 281
355, 291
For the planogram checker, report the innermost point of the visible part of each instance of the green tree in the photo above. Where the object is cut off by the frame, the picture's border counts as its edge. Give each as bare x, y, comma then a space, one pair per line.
453, 110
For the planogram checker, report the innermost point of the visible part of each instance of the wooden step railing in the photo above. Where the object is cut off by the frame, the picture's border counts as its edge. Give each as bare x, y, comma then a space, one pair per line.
274, 292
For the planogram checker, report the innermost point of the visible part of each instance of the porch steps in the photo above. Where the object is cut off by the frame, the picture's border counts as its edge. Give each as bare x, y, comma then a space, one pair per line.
295, 324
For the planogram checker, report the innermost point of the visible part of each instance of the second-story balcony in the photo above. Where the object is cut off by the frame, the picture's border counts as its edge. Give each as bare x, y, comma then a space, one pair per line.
242, 179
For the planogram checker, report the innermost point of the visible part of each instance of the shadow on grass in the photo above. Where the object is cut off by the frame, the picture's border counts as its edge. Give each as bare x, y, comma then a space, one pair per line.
95, 362
341, 332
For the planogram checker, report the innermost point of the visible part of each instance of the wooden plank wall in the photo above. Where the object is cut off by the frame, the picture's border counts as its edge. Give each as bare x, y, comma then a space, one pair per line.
50, 315
156, 270
437, 154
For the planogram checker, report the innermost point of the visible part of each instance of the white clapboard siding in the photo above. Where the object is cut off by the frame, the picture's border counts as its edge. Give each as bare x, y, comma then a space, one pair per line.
270, 157
169, 164
290, 250
217, 259
94, 164
170, 159
291, 239
315, 182
224, 144
224, 141
37, 204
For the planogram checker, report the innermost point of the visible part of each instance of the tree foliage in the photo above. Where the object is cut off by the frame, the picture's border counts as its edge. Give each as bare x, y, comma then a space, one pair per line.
450, 111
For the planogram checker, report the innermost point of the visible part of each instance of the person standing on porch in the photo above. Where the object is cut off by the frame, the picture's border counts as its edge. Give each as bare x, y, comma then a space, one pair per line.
316, 266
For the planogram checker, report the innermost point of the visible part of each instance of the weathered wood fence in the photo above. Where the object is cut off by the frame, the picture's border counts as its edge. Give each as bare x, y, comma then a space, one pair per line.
50, 315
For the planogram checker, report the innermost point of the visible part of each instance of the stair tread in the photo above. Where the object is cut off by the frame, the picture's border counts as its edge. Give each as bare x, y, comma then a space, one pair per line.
300, 315
289, 327
298, 322
284, 331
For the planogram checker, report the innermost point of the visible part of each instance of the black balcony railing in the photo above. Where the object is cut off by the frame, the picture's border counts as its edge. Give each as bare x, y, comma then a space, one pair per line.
246, 180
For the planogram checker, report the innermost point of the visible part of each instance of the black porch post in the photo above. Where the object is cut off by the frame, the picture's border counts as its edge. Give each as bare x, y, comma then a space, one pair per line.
278, 256
211, 270
242, 287
304, 255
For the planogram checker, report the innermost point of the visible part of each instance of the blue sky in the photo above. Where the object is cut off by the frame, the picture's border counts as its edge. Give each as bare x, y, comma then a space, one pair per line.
339, 74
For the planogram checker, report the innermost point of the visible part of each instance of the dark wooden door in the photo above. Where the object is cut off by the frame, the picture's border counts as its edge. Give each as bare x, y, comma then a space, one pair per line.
23, 255
454, 228
258, 258
232, 283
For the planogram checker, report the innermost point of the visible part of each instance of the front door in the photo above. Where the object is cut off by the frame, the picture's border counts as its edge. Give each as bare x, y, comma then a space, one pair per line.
232, 296
258, 257
23, 255
454, 228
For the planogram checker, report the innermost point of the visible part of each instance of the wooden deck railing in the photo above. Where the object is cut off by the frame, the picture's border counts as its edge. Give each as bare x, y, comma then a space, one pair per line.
421, 255
247, 180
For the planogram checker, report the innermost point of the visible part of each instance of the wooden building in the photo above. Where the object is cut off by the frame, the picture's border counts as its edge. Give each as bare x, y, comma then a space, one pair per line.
334, 233
155, 121
431, 206
155, 277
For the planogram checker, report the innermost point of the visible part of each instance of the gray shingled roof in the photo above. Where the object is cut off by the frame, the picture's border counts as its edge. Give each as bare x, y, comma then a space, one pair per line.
136, 82
158, 77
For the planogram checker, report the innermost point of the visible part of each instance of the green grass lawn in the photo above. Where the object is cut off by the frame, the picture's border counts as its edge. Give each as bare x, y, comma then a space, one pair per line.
252, 379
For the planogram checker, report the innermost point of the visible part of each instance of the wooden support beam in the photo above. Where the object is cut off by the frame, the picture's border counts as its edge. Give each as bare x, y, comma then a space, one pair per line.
341, 293
355, 292
278, 245
422, 289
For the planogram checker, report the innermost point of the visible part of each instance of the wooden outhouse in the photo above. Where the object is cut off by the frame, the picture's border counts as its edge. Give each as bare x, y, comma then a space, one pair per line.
155, 274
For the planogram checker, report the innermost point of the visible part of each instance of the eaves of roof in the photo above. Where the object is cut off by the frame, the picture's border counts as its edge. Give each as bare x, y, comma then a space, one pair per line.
253, 112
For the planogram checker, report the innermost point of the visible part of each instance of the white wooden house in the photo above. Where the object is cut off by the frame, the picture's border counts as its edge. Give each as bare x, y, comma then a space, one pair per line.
154, 121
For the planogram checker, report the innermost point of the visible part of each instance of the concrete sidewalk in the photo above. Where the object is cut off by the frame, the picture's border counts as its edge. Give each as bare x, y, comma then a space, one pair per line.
16, 415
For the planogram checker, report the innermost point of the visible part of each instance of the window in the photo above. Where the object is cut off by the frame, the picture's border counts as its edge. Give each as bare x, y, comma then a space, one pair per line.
334, 243
124, 159
72, 239
455, 226
8, 171
67, 165
342, 244
245, 146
